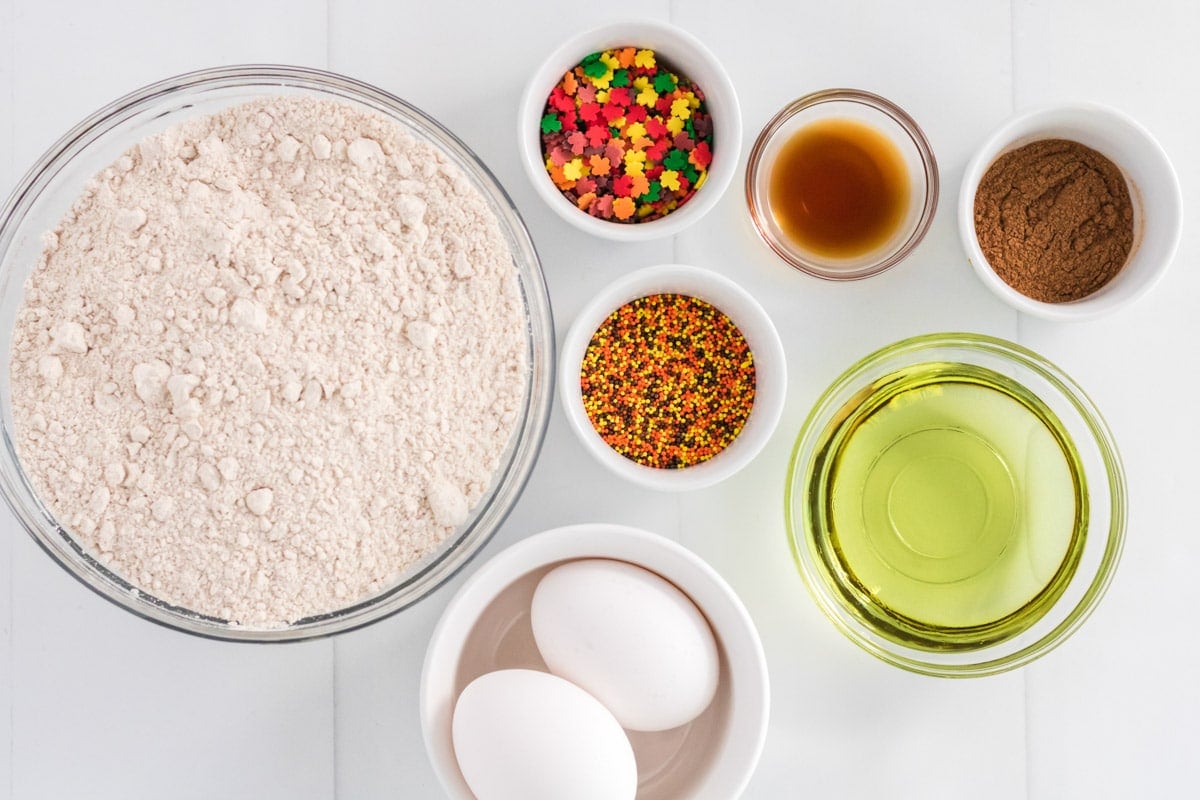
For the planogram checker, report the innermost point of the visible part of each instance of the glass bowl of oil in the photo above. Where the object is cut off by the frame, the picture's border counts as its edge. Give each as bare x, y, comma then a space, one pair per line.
956, 505
842, 184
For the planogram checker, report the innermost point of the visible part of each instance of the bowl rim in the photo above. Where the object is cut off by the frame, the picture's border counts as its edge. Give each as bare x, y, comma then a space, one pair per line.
512, 473
999, 141
669, 559
720, 173
797, 522
887, 108
745, 312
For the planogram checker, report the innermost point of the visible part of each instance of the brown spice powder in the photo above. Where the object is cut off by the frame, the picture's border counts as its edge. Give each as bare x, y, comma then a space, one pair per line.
1054, 220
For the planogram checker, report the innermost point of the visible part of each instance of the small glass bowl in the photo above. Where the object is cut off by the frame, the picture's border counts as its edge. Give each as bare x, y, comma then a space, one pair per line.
1103, 487
885, 117
56, 180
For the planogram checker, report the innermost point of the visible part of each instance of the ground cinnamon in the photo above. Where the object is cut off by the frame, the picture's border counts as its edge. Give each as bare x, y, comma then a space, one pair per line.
1054, 220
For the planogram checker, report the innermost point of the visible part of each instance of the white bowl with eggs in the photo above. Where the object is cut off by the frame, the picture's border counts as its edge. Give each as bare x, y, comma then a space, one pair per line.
757, 329
624, 623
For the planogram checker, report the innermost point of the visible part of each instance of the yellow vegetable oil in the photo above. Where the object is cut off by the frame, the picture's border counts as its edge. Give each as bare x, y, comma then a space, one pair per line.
954, 505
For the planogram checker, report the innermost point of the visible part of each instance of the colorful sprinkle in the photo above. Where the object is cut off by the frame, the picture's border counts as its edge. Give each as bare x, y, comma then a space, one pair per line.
621, 127
668, 380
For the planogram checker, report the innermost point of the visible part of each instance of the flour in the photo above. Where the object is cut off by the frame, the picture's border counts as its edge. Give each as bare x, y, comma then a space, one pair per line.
270, 359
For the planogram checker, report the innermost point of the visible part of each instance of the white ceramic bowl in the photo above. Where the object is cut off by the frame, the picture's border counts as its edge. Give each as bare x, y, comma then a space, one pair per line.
690, 58
743, 310
486, 627
1154, 187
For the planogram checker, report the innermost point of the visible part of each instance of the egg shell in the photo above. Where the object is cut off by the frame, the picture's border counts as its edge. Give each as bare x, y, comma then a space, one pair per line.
628, 637
520, 734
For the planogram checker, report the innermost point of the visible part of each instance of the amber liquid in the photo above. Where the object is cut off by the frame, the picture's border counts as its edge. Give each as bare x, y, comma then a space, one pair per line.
839, 189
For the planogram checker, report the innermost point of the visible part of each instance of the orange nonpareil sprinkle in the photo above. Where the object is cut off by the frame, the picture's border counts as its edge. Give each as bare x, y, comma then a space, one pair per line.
668, 381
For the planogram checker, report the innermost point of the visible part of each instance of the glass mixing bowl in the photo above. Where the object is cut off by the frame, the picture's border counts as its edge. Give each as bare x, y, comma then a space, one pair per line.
956, 505
58, 177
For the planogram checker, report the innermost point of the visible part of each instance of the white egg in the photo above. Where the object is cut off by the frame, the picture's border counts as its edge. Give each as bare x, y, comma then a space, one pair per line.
524, 735
628, 637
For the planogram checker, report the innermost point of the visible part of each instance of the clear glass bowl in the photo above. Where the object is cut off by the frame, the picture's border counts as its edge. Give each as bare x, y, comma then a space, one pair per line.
885, 117
1099, 520
49, 189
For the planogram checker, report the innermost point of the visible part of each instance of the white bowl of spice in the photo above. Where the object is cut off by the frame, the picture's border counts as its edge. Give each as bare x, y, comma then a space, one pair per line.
1070, 212
673, 377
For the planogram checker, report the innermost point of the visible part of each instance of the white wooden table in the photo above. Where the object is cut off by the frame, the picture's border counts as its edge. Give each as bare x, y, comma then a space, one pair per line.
100, 704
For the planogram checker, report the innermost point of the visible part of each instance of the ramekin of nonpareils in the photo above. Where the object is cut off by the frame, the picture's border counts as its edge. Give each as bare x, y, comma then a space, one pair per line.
631, 131
673, 377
